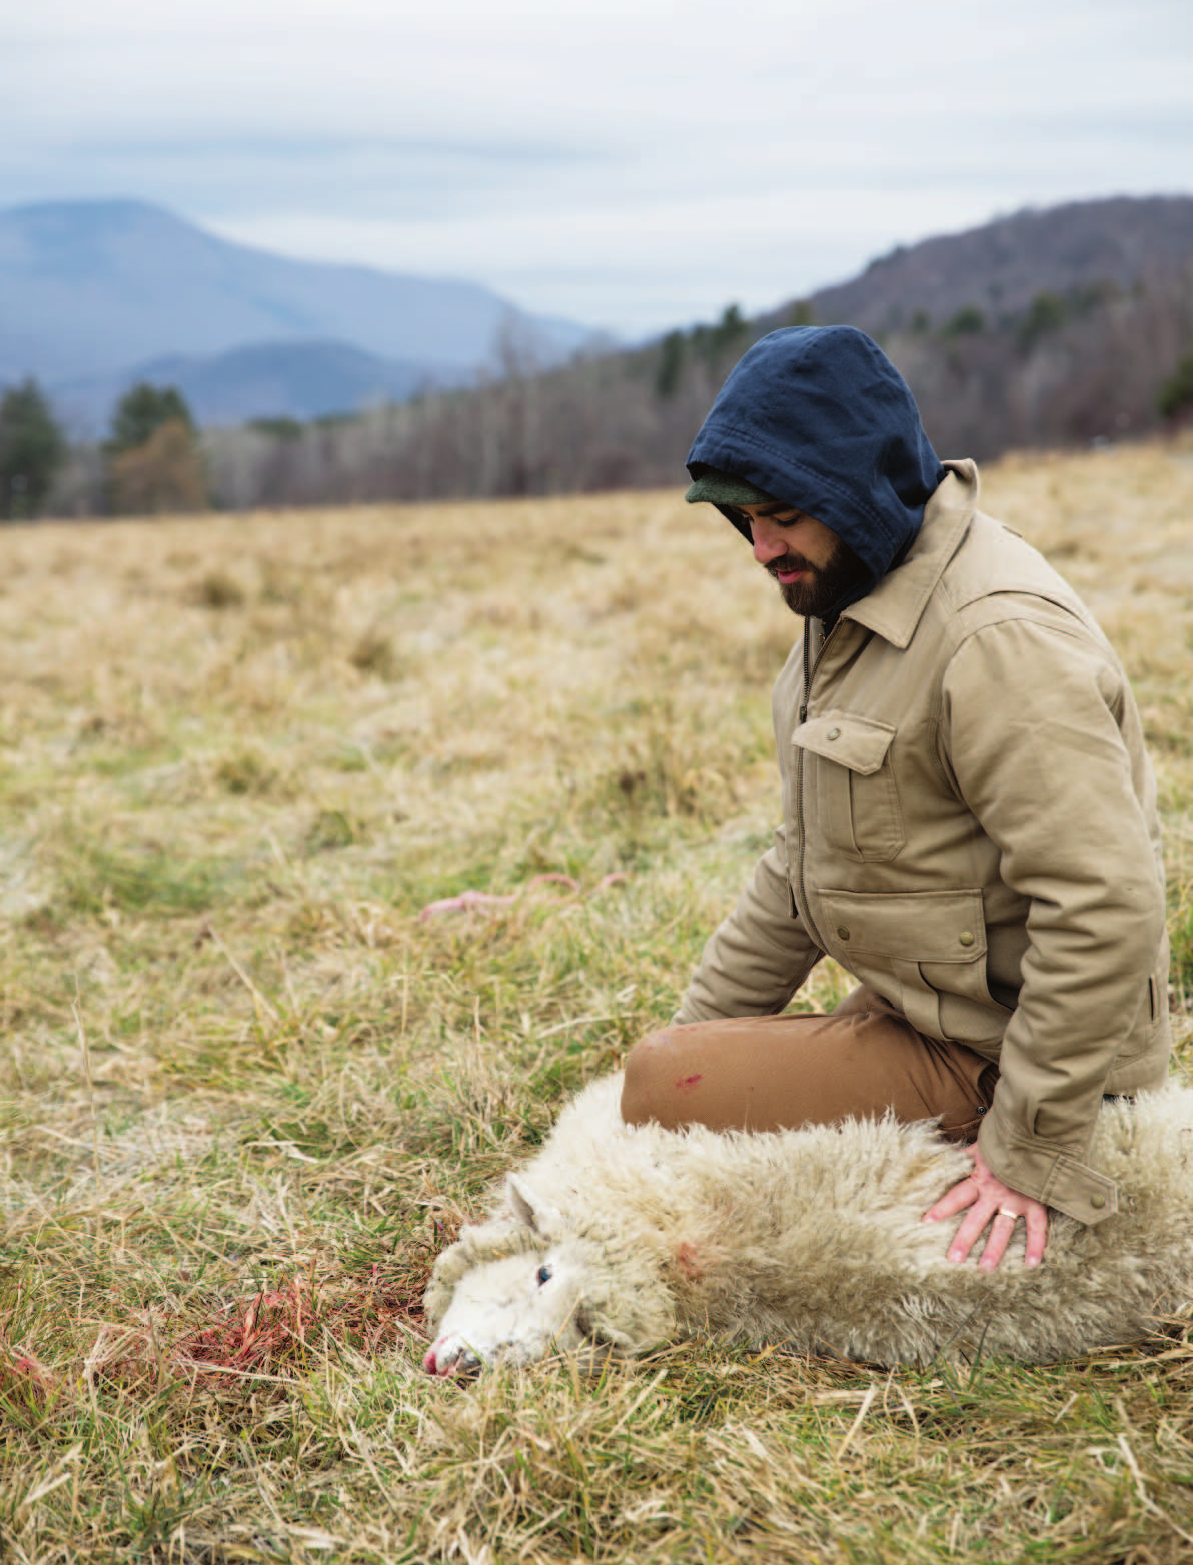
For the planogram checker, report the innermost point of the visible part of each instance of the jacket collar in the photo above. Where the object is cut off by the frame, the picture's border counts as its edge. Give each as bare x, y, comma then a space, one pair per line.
894, 608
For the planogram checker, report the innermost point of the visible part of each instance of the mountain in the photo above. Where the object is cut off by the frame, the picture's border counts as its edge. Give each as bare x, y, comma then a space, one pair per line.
93, 291
1001, 267
300, 380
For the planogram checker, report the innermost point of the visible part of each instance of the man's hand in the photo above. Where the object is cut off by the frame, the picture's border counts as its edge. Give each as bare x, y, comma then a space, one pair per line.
991, 1200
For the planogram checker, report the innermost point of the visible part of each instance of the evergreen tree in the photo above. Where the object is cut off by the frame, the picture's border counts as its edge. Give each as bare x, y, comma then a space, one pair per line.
153, 459
670, 366
1176, 394
32, 449
731, 331
141, 411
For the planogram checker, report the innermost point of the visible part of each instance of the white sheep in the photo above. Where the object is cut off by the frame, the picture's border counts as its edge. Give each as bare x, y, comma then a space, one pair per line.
627, 1238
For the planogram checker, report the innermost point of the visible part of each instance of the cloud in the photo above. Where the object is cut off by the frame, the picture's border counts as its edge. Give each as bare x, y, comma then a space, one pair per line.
632, 163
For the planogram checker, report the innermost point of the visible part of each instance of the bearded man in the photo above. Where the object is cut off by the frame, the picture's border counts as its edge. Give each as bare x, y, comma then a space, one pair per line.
969, 816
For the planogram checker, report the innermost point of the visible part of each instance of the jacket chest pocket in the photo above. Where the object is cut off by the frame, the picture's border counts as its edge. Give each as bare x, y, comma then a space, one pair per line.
850, 799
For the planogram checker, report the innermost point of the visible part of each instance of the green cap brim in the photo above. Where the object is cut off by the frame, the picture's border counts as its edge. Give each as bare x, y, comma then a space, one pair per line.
726, 489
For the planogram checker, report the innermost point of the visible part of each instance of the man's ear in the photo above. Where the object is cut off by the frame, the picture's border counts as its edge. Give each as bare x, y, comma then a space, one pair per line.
531, 1210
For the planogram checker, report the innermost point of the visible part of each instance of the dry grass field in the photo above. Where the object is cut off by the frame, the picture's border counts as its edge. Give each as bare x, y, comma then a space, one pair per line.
248, 1092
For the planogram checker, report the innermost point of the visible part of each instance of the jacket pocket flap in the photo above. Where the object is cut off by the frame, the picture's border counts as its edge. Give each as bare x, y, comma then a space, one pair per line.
916, 926
860, 743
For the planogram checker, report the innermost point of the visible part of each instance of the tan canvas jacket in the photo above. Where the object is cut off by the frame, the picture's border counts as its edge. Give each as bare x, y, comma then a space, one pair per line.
970, 828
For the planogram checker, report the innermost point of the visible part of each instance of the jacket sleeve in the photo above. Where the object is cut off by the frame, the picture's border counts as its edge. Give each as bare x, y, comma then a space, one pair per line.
759, 956
1031, 727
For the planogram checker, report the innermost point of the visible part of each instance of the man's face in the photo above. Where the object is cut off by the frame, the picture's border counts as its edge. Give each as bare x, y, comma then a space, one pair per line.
812, 565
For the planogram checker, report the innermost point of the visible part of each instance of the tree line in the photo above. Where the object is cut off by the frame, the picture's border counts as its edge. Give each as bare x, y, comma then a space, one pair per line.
1099, 363
152, 460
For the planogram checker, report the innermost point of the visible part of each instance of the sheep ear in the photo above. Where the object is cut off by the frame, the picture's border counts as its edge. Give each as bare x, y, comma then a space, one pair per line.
531, 1210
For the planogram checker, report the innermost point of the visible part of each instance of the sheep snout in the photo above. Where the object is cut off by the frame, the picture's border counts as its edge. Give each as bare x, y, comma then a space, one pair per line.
449, 1356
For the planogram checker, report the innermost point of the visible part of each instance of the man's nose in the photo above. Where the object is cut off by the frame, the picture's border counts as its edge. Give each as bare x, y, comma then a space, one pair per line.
769, 540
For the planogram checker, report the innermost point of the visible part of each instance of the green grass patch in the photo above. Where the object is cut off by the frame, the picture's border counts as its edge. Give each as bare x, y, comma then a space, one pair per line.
150, 879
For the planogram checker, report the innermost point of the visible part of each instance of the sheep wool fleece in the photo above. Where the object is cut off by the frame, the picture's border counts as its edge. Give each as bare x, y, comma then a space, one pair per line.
630, 1237
969, 813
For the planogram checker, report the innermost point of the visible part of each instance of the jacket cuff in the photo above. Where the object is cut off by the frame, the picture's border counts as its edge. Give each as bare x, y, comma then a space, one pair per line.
1050, 1175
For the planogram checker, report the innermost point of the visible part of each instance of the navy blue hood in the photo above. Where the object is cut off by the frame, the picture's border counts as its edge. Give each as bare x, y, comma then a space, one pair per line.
820, 417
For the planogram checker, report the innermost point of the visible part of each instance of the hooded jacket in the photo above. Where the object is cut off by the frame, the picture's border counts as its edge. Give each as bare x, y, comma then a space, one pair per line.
970, 820
820, 417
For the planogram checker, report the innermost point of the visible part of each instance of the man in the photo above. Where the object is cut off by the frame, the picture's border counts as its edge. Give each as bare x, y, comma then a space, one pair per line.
969, 815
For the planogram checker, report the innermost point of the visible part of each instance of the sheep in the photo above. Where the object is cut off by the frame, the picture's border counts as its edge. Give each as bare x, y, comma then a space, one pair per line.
619, 1238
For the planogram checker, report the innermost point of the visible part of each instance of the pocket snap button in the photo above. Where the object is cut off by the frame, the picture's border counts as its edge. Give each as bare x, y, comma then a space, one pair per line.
966, 938
833, 733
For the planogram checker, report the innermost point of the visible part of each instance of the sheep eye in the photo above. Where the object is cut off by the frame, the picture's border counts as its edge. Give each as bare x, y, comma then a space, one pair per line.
542, 1275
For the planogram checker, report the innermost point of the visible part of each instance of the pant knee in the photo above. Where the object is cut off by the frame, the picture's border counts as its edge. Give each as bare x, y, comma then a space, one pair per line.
646, 1065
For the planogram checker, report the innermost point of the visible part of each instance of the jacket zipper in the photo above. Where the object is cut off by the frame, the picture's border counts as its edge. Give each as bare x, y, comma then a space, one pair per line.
802, 901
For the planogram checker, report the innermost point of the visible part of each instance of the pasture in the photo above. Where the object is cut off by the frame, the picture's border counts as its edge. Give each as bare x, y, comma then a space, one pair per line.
249, 1090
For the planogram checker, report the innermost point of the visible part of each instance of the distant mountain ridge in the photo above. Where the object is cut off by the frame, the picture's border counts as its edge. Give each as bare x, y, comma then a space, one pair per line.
92, 293
95, 295
301, 380
1003, 265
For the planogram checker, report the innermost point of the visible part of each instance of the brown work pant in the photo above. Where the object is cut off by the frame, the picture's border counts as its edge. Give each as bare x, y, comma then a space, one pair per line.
780, 1072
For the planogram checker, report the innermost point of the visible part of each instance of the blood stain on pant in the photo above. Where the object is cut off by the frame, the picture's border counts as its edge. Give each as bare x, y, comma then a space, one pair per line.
686, 1083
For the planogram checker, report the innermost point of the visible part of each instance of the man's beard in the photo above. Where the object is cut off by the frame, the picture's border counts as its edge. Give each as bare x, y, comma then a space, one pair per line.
823, 585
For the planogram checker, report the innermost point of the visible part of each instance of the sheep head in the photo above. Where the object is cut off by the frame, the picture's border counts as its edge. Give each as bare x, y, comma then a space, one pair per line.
524, 1291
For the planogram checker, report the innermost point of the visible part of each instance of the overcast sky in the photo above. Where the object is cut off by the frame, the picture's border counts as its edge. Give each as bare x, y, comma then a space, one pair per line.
632, 164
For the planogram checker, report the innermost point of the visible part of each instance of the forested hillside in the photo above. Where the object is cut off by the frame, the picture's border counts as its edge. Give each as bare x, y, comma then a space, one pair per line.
1050, 328
1077, 252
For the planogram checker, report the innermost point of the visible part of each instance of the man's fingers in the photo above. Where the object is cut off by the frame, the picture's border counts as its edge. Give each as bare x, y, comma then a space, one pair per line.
999, 1209
967, 1235
957, 1199
1037, 1236
1000, 1234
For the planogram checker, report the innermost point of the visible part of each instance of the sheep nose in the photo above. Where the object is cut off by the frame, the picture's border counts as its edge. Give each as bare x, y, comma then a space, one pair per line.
442, 1358
446, 1357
